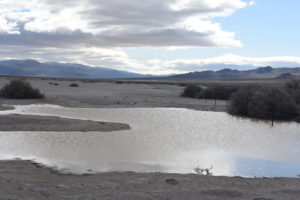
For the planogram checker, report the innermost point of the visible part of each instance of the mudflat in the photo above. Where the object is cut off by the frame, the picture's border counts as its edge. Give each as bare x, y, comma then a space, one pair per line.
57, 124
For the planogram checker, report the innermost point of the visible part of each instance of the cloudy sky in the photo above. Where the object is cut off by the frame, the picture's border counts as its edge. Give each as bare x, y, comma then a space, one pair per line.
157, 36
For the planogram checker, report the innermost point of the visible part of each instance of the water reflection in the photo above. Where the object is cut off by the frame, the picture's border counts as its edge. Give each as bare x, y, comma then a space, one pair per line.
161, 140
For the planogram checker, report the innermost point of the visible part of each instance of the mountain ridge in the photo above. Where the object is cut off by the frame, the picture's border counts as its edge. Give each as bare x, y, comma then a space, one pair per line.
32, 67
64, 70
234, 74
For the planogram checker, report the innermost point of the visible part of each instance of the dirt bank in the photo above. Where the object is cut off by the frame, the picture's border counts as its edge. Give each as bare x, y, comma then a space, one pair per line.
21, 180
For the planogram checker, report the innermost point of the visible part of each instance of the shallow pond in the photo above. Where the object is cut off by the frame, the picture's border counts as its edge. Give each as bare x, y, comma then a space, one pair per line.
160, 140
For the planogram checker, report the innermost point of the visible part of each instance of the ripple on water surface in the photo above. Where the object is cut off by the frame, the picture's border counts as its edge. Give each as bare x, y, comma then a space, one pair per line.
160, 140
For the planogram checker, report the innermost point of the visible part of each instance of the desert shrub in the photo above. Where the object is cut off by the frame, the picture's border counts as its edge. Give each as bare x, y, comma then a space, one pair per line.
293, 84
295, 94
74, 85
272, 103
18, 89
211, 92
265, 103
192, 91
293, 87
219, 92
240, 100
119, 82
183, 84
298, 119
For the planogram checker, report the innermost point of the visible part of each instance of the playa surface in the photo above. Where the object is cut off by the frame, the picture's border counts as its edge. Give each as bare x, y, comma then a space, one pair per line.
105, 94
25, 180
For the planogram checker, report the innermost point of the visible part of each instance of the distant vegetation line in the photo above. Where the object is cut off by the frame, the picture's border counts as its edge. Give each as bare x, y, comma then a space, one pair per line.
275, 103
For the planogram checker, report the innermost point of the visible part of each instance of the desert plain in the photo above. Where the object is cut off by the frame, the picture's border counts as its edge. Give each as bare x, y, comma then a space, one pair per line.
21, 179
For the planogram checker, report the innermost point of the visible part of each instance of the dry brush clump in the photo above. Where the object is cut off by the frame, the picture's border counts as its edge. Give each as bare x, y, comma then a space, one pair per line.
276, 103
19, 89
264, 102
191, 91
215, 92
219, 92
74, 85
293, 87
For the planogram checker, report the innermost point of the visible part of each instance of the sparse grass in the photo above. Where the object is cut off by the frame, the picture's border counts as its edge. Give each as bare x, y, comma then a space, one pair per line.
19, 89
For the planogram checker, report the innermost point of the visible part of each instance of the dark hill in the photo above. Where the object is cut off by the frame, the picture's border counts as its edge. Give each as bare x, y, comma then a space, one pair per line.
68, 70
230, 74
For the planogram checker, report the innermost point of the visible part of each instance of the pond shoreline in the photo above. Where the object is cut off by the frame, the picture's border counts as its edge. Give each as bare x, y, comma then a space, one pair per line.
26, 180
21, 179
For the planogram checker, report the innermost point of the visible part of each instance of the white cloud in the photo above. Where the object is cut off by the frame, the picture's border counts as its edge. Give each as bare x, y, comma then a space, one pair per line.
97, 57
226, 61
251, 3
118, 59
93, 31
8, 27
119, 23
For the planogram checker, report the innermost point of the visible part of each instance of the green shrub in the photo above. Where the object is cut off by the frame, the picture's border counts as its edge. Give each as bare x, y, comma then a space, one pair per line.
192, 91
18, 89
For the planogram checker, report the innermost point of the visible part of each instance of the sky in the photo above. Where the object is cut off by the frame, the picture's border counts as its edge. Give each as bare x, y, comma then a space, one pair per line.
153, 37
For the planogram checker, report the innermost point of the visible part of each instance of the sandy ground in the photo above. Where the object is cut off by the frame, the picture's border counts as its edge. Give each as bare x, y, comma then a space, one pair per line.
57, 124
21, 180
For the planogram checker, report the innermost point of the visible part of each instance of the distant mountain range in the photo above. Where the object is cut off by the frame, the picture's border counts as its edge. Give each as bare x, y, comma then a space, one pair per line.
53, 69
71, 70
231, 74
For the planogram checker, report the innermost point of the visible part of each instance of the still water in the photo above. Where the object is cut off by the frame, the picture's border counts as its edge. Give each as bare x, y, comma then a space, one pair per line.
160, 140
